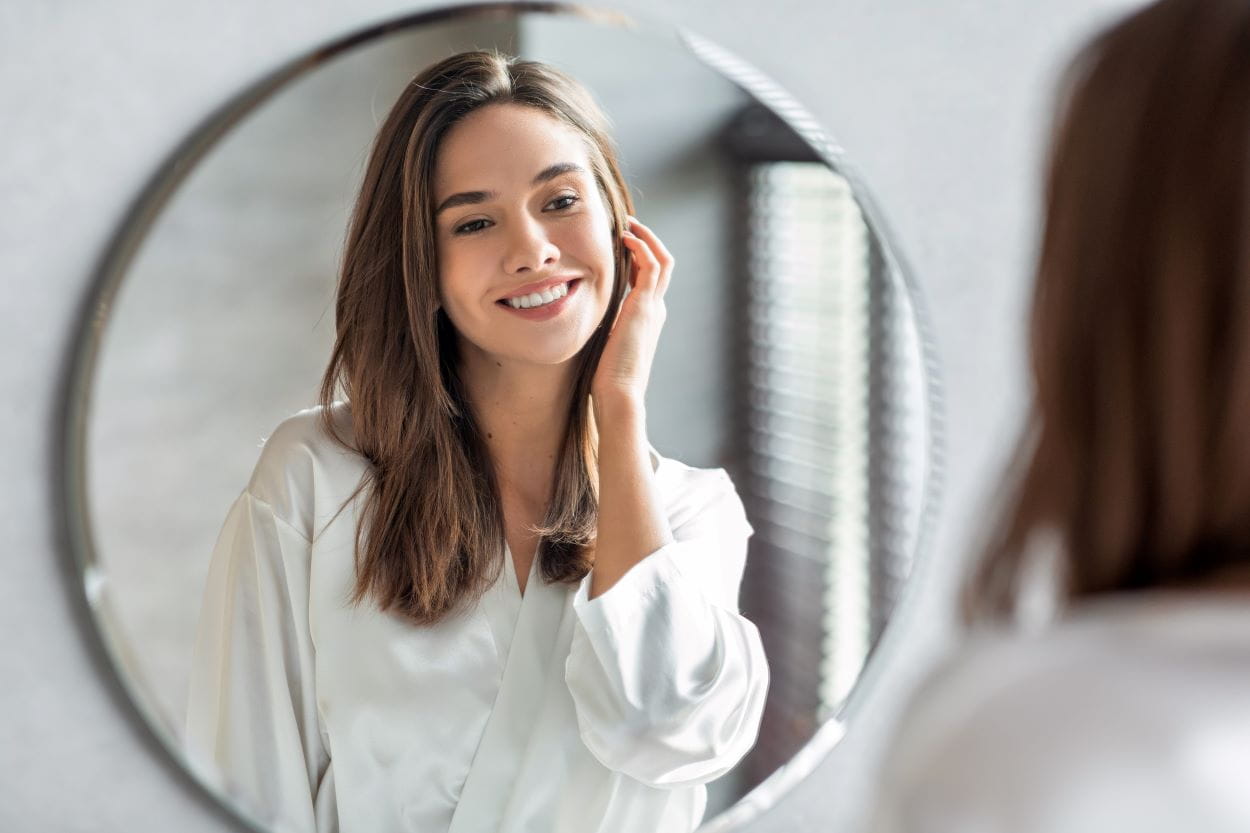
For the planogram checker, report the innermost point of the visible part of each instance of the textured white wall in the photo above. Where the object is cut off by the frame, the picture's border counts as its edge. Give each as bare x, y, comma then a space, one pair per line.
942, 106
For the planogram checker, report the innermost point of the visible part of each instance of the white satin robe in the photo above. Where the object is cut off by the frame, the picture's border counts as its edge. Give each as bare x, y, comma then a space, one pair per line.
548, 713
1129, 713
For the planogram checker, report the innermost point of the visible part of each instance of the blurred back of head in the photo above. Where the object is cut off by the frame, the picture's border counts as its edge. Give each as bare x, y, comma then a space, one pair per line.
1137, 453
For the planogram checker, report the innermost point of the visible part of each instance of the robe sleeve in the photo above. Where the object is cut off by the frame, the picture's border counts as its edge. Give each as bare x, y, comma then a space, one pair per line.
252, 728
668, 679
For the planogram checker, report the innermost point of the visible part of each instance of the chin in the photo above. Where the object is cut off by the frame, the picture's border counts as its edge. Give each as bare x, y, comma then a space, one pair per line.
556, 349
549, 358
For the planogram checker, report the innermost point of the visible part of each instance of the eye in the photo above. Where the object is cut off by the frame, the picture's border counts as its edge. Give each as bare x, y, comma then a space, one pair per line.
566, 200
470, 227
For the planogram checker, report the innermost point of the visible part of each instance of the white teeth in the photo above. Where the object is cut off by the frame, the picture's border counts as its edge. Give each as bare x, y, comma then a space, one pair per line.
535, 299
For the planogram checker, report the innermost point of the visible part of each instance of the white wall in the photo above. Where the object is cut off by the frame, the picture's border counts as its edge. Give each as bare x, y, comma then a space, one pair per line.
941, 104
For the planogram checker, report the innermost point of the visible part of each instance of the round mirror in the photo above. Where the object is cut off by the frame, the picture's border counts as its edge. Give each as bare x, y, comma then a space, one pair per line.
793, 356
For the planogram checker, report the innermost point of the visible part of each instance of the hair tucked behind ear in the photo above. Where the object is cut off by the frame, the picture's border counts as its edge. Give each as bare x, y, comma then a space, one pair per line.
1137, 454
430, 536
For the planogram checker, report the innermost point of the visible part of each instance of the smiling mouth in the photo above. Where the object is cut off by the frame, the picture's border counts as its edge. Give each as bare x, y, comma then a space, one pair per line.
537, 300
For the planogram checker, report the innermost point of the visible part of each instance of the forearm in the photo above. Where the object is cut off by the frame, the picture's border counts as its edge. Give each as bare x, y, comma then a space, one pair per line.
668, 678
632, 521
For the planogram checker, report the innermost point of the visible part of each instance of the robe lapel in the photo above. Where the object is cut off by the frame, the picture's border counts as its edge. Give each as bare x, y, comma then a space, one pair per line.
530, 661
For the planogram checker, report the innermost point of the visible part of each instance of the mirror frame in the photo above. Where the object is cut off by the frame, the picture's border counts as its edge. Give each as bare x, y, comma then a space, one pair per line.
88, 581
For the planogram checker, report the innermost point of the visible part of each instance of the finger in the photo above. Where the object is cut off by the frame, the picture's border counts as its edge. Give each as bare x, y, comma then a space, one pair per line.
662, 254
648, 271
642, 263
652, 239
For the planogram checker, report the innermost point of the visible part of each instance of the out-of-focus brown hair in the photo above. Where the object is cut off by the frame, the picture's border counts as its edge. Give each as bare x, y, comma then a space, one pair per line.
1137, 452
430, 536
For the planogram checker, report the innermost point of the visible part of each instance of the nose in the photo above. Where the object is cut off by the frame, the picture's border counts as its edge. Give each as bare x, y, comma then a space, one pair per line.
529, 248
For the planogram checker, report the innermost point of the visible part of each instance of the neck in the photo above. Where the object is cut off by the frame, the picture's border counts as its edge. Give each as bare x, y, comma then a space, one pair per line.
522, 410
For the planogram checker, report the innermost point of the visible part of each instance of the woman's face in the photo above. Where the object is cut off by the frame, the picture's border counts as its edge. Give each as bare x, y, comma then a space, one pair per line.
518, 214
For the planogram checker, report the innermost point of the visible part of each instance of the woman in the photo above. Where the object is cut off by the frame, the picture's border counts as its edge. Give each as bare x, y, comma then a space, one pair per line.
1130, 712
471, 597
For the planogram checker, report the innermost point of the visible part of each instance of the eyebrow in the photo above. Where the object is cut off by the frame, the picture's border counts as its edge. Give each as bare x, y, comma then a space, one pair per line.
474, 197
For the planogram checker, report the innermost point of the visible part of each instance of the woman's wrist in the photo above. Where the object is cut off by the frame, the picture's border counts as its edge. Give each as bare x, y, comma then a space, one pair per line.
621, 410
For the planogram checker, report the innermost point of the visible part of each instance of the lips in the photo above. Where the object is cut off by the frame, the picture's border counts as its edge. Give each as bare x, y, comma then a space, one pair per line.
544, 312
538, 286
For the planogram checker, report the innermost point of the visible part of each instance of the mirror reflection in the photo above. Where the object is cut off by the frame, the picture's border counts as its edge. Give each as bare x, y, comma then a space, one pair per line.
783, 429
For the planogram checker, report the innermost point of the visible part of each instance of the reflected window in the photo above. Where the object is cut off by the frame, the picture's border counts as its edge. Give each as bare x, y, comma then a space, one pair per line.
814, 411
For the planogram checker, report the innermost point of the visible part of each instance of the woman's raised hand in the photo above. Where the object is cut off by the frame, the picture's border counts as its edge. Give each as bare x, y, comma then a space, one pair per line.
625, 366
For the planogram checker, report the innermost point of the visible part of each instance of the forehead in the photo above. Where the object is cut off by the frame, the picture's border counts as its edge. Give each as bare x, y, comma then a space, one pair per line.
502, 145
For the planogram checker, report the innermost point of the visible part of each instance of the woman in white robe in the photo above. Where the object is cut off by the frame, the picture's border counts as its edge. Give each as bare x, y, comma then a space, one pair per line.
1108, 687
602, 704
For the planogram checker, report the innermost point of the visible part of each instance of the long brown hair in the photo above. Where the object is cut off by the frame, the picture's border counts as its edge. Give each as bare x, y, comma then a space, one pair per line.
430, 538
1137, 453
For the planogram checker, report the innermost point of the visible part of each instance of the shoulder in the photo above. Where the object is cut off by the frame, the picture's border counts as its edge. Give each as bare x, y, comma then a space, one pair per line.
1109, 640
1112, 686
301, 462
691, 492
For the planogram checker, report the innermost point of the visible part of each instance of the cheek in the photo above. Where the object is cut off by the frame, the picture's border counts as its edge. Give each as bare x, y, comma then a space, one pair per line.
599, 245
454, 279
